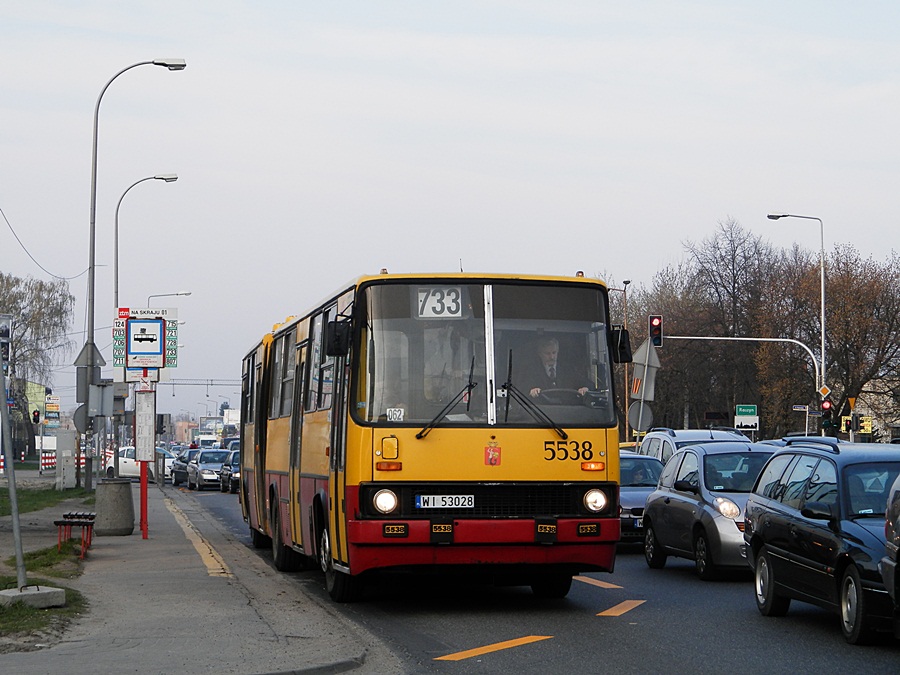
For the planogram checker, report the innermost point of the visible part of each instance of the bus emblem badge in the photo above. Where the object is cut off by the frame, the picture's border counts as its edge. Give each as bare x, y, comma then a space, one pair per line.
492, 454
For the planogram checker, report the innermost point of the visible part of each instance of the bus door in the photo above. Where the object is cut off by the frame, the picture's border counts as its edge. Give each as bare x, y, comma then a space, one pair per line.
335, 369
259, 441
297, 501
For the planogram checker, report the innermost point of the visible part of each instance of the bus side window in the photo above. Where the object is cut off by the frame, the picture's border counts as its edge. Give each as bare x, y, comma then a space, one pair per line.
315, 357
326, 368
275, 377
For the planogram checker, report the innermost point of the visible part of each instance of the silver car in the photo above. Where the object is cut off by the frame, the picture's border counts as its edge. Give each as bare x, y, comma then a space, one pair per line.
697, 510
203, 470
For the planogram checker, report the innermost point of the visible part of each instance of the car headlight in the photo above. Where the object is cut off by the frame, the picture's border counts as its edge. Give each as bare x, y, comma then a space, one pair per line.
595, 500
727, 508
385, 501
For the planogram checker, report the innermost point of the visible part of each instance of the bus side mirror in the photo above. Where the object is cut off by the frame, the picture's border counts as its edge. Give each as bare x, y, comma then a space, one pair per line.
337, 338
621, 345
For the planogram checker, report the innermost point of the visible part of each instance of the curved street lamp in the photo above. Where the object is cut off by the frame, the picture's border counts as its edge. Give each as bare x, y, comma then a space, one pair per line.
776, 216
168, 178
90, 355
166, 295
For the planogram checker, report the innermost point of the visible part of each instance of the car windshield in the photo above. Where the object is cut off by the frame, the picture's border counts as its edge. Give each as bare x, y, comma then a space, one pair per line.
733, 471
639, 472
868, 486
216, 457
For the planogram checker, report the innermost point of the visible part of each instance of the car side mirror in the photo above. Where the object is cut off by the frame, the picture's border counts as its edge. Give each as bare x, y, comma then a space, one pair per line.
686, 486
817, 511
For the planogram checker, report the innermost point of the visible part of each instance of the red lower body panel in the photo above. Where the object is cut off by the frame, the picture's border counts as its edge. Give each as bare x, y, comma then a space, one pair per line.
586, 544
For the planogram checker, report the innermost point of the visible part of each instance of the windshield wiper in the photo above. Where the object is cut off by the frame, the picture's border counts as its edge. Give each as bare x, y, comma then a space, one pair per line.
465, 392
534, 410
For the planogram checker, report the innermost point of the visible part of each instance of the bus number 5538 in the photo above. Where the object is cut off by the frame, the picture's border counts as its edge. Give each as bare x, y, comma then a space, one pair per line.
563, 450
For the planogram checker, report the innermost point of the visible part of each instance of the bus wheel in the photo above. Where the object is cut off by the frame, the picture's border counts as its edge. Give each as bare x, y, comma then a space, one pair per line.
554, 585
258, 539
285, 558
340, 586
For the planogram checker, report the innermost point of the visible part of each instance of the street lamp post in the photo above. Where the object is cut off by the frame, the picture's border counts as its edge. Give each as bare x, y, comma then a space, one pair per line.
90, 355
774, 216
166, 295
168, 178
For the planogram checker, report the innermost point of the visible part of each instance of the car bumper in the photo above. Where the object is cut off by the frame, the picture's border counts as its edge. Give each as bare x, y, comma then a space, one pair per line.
728, 546
632, 529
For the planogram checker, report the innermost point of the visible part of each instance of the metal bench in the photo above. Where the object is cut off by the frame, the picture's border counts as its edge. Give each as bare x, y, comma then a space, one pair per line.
81, 519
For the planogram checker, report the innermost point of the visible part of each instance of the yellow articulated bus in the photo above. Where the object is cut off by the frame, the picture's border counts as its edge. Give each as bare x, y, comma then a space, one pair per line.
438, 422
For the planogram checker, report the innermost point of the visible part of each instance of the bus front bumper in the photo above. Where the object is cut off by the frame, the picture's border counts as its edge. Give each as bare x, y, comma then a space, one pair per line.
586, 544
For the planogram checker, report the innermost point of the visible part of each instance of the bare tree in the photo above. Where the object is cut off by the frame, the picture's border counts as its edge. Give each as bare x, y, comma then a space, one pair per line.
42, 313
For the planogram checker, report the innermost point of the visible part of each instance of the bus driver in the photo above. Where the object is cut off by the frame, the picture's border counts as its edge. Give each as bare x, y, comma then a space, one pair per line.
546, 373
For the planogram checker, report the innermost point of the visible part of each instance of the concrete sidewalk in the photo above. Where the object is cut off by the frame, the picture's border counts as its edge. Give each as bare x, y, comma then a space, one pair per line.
190, 598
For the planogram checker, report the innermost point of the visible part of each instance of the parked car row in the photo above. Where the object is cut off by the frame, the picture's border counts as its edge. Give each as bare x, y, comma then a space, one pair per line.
816, 520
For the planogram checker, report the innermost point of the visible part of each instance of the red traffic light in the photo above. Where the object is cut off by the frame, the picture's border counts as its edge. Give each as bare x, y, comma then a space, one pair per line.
655, 329
826, 405
36, 417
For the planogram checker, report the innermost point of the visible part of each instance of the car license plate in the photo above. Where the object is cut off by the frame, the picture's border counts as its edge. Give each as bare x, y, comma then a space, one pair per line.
445, 501
638, 523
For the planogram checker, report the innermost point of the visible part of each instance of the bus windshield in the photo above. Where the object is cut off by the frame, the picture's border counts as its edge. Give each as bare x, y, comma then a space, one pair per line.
494, 353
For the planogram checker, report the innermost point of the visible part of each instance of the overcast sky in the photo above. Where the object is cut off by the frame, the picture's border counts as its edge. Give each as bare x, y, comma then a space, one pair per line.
316, 141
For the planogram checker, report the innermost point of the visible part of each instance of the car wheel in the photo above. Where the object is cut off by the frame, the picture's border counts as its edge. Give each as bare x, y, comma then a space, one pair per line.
768, 601
340, 586
233, 488
552, 586
855, 624
653, 552
175, 481
706, 570
222, 485
110, 472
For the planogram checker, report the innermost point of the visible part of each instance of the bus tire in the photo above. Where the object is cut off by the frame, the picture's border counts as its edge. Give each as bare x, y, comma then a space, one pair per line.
285, 558
258, 539
552, 586
340, 586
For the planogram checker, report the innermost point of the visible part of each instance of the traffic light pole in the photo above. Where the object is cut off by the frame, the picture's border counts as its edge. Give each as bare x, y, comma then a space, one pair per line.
758, 339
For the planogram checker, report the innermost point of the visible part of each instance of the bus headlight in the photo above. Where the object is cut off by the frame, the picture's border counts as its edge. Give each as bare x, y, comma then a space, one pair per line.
595, 500
384, 501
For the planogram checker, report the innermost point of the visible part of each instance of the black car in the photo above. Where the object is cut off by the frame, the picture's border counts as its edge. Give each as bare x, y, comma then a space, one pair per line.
814, 529
230, 475
179, 466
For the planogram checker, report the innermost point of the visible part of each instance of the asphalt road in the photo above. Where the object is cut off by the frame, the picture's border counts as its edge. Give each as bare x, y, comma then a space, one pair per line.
636, 620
